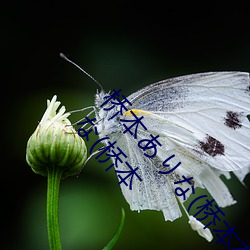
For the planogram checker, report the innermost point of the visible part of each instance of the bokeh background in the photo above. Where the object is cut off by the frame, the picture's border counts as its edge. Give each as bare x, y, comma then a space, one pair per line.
123, 44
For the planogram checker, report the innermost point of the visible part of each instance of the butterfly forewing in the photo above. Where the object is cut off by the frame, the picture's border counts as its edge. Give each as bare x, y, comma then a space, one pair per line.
211, 107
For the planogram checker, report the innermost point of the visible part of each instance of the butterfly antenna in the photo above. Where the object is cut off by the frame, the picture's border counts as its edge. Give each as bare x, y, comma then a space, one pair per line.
90, 76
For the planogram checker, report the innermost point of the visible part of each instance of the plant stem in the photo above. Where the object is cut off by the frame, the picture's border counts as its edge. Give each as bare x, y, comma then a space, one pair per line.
54, 177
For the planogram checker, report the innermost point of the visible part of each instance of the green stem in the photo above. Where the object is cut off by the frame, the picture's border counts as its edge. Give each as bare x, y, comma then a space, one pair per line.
54, 177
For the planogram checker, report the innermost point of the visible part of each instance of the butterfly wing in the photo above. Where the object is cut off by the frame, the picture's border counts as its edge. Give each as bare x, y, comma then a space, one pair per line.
154, 191
201, 119
211, 106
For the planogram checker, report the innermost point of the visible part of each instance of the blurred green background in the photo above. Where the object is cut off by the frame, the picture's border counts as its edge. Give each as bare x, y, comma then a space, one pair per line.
125, 46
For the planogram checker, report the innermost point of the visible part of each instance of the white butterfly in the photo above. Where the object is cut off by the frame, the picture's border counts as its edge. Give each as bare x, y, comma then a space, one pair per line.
201, 119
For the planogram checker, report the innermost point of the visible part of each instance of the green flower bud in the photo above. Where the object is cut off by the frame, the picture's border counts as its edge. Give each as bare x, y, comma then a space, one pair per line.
55, 144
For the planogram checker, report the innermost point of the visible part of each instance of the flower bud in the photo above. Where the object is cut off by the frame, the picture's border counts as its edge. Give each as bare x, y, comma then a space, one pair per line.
55, 144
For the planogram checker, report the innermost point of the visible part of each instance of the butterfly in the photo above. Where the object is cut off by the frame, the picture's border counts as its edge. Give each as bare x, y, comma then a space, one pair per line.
201, 123
201, 119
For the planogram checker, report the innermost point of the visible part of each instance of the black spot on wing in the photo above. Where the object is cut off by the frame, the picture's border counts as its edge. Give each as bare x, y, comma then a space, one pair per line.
233, 119
212, 146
